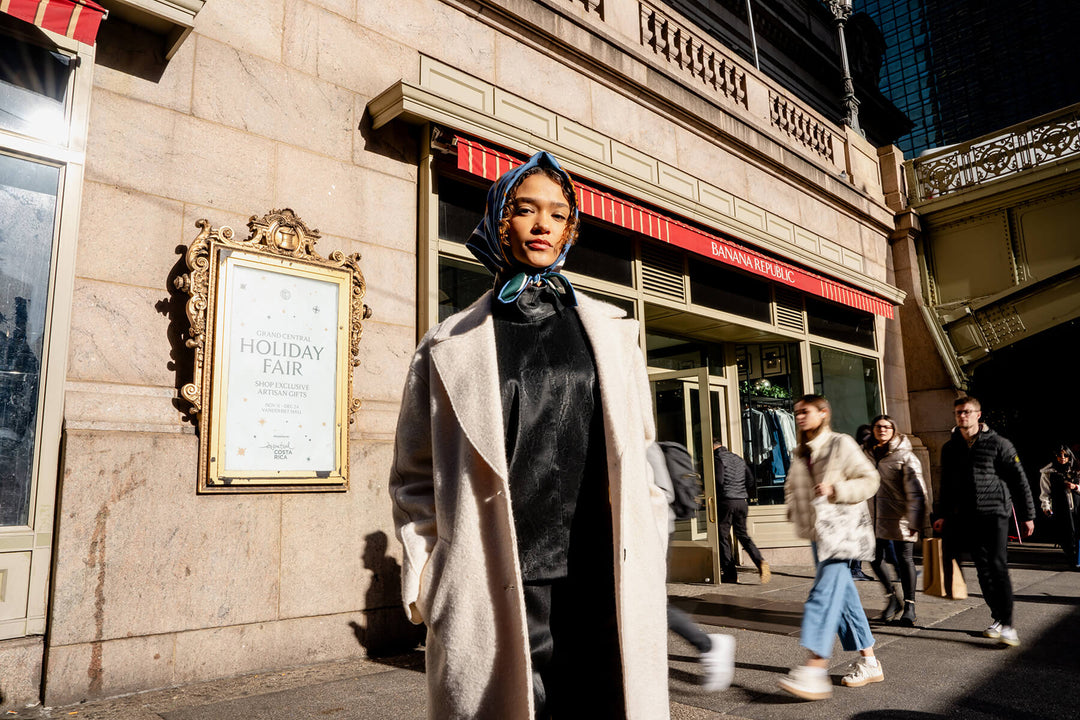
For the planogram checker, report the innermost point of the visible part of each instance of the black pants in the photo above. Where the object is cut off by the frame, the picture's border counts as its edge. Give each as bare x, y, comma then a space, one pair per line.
985, 538
1067, 524
574, 644
899, 554
731, 513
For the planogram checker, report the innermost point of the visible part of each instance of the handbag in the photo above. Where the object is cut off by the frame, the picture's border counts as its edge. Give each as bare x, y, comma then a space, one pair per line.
941, 579
844, 531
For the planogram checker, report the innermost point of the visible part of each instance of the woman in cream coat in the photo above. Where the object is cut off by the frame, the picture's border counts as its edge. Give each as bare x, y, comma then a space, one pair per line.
451, 480
826, 491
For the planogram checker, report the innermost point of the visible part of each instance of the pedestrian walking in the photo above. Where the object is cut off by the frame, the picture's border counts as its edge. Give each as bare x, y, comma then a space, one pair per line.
898, 510
735, 486
862, 434
1059, 496
826, 492
982, 482
716, 651
533, 534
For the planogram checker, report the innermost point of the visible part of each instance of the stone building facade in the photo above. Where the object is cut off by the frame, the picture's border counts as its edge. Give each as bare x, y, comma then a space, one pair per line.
361, 117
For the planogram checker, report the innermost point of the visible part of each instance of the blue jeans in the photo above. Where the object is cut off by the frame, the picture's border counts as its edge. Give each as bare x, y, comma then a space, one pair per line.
833, 608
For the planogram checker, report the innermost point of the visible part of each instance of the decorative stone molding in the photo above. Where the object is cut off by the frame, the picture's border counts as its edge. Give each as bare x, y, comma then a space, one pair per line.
592, 7
471, 105
692, 56
800, 126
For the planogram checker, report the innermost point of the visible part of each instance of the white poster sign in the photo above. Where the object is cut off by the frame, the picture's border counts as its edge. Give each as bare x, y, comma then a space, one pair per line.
281, 383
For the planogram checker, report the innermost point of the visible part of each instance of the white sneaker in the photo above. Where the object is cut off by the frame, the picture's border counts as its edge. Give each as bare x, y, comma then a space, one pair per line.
993, 632
860, 673
719, 663
807, 684
1008, 636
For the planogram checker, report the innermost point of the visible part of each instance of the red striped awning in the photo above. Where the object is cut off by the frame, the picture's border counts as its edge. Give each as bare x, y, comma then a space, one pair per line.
76, 19
487, 162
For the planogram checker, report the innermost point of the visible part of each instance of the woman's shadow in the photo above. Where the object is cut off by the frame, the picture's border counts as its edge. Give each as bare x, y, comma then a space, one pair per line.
385, 630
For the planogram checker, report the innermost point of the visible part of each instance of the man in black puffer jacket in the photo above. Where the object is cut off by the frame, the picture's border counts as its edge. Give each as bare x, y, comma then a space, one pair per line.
734, 484
981, 481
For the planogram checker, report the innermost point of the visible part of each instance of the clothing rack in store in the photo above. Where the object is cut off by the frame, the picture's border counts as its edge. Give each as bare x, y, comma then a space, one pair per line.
770, 401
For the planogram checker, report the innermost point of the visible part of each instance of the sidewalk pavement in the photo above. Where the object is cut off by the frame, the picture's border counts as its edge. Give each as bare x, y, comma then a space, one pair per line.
941, 668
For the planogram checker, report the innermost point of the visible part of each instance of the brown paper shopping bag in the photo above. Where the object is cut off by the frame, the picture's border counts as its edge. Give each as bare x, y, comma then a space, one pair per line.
941, 579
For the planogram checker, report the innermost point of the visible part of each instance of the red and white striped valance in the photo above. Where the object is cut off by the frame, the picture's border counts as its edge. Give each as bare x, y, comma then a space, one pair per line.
76, 19
487, 162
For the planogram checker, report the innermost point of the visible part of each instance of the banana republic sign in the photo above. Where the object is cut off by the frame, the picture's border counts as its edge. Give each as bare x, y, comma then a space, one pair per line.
276, 331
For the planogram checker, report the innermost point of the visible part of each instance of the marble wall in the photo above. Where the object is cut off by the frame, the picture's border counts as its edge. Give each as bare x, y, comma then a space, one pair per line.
264, 107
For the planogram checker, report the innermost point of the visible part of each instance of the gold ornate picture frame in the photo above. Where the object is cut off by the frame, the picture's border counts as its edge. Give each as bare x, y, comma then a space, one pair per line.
276, 330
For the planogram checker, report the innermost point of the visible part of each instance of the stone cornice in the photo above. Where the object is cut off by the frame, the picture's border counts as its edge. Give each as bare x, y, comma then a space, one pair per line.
589, 154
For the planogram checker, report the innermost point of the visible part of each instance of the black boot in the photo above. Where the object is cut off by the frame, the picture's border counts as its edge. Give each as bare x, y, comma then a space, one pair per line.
892, 609
908, 618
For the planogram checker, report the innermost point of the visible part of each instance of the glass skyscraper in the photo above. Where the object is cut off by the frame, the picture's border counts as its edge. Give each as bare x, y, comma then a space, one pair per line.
963, 68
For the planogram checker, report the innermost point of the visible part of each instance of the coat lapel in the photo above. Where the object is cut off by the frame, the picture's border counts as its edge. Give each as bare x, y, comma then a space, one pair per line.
605, 327
463, 353
464, 356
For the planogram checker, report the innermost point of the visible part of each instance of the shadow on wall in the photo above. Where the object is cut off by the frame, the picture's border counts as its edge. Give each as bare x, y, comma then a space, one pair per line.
385, 630
131, 50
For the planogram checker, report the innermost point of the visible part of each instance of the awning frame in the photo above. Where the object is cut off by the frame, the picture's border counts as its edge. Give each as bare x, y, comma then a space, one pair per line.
423, 105
483, 160
75, 19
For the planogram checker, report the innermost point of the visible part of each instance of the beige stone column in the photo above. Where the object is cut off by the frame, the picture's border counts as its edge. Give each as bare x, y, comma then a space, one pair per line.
929, 386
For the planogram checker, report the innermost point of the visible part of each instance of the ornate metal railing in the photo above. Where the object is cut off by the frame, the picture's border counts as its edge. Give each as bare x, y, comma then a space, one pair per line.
800, 126
1041, 141
680, 47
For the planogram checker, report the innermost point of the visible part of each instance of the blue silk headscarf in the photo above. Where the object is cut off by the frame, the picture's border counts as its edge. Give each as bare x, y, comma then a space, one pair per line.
511, 275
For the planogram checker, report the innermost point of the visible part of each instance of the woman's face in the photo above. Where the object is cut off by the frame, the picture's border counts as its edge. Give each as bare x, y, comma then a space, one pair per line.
883, 431
538, 221
809, 417
1062, 458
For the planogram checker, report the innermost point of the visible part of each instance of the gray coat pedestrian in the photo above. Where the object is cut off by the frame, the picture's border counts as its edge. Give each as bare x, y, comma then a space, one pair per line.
899, 508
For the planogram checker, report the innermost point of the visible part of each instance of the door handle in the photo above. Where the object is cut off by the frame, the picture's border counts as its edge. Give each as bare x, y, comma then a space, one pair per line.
710, 509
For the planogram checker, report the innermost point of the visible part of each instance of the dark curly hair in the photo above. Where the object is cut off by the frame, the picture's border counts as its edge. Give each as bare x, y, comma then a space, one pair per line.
570, 234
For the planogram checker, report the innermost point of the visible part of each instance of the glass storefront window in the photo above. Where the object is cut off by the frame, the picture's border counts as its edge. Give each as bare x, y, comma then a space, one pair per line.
625, 304
602, 254
461, 206
837, 322
850, 382
675, 353
460, 285
28, 195
770, 378
33, 90
715, 286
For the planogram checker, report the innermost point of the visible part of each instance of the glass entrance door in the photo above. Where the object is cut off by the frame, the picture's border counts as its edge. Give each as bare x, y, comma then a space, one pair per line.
691, 408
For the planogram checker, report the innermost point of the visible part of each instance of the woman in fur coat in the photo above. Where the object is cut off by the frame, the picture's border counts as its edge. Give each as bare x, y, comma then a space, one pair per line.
899, 513
1059, 496
826, 491
533, 535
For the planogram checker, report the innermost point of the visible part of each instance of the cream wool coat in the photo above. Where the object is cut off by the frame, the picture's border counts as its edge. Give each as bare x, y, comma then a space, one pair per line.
841, 463
451, 504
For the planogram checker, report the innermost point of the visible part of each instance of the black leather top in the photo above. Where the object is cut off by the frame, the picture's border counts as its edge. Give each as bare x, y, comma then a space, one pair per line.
554, 436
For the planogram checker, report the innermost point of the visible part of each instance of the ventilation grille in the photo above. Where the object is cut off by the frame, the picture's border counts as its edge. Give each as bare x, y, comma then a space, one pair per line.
662, 272
789, 311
